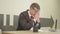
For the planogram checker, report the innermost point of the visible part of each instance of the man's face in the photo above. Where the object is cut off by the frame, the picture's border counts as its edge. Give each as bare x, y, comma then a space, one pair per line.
33, 11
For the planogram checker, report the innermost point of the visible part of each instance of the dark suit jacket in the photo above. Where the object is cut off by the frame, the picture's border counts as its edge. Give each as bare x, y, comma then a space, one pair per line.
24, 23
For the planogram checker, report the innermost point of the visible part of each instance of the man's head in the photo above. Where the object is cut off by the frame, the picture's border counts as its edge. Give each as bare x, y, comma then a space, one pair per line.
34, 8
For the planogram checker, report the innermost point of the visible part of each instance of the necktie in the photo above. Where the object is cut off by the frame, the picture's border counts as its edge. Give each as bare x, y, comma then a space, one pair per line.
31, 17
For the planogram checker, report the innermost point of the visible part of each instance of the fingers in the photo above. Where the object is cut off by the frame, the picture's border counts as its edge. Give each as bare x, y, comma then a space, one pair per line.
36, 16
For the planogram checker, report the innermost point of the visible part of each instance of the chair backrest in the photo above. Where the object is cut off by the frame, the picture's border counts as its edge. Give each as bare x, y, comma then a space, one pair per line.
45, 22
1, 20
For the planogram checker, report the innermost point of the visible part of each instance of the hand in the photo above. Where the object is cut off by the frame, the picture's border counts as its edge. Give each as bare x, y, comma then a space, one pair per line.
36, 17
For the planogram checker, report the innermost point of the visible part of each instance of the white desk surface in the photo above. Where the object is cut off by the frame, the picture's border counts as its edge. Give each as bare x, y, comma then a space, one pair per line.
28, 32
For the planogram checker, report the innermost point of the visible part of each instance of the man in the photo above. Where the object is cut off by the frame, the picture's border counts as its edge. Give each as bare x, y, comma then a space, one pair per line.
29, 17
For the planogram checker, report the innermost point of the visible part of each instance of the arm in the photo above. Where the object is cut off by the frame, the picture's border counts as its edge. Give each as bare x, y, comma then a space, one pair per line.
37, 20
24, 23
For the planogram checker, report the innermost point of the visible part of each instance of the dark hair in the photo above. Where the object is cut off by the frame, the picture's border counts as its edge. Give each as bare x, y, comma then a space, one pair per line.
35, 5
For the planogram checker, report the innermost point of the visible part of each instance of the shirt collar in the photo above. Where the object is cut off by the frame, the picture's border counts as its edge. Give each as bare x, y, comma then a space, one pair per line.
29, 13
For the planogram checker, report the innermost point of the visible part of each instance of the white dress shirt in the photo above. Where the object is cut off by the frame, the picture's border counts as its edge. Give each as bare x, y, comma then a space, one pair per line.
30, 15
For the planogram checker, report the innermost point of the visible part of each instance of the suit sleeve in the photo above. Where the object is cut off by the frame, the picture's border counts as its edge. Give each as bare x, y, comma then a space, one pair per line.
39, 25
24, 23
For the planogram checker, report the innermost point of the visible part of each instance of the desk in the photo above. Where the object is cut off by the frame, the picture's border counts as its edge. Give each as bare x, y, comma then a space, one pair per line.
28, 32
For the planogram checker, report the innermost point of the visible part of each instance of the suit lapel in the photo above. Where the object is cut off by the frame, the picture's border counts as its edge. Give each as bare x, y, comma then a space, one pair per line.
26, 15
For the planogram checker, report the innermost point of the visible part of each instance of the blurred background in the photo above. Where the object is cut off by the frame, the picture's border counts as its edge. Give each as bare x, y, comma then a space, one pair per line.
15, 7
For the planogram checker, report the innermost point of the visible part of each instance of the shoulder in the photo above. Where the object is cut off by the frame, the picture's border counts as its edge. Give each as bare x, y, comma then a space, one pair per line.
24, 13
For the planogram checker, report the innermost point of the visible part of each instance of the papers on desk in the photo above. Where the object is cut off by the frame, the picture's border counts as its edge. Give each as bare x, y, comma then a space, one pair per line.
43, 29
